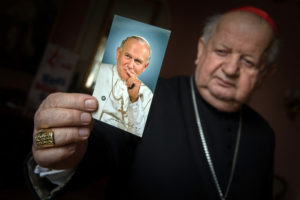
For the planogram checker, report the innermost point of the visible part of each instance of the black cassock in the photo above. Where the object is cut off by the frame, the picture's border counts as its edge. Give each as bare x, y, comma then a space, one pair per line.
169, 162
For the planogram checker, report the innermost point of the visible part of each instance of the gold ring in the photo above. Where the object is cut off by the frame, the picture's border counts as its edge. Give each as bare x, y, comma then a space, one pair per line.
45, 138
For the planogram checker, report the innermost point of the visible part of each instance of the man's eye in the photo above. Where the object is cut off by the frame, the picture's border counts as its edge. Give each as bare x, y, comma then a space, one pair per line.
127, 56
248, 62
138, 62
221, 52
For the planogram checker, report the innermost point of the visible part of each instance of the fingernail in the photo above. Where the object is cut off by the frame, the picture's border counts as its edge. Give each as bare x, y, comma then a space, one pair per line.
91, 104
85, 117
84, 132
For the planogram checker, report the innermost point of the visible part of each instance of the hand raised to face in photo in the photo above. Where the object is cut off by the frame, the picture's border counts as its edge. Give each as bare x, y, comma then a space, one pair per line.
133, 85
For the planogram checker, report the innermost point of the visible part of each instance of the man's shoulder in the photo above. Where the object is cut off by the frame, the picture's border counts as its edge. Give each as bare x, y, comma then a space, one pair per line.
256, 120
173, 84
106, 66
172, 89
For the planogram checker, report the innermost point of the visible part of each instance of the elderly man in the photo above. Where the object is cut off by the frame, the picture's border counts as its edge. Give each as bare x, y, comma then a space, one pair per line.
124, 101
201, 141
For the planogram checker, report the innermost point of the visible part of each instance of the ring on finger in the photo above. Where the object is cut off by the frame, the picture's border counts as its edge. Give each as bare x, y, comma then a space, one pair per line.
45, 138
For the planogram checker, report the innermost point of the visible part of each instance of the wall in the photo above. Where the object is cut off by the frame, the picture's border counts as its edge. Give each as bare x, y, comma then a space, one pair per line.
270, 99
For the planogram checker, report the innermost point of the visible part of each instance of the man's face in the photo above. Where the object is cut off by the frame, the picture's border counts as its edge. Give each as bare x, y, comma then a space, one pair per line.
132, 59
230, 66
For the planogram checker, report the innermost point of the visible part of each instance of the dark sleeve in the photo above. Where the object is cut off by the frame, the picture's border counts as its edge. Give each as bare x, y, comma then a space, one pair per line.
262, 139
267, 144
270, 171
109, 151
41, 188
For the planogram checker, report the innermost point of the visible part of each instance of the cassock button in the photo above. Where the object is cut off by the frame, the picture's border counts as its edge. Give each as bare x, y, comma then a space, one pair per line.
103, 98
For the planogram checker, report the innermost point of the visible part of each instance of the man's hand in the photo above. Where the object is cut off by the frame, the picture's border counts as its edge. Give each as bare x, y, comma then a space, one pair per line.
133, 86
69, 117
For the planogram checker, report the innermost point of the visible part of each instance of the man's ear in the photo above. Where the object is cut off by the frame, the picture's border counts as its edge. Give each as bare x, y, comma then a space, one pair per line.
200, 48
272, 70
118, 53
146, 66
266, 73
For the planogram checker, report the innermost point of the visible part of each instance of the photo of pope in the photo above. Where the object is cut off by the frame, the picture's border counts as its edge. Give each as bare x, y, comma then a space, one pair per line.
124, 100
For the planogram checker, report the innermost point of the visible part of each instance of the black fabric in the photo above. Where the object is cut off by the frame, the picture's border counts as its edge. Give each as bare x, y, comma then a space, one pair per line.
43, 184
169, 162
110, 153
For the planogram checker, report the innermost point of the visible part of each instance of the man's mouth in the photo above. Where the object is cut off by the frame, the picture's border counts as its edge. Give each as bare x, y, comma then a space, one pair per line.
224, 83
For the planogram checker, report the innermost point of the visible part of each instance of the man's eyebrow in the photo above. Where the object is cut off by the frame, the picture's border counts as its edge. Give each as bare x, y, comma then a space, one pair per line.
222, 45
250, 56
226, 47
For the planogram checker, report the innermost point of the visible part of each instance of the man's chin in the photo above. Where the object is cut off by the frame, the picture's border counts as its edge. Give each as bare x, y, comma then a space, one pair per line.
222, 100
223, 95
223, 105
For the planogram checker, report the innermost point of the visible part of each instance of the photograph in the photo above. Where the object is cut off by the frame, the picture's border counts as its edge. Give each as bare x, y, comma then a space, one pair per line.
128, 73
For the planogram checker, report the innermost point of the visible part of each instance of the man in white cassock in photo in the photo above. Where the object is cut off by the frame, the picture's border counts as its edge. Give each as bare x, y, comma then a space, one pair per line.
124, 101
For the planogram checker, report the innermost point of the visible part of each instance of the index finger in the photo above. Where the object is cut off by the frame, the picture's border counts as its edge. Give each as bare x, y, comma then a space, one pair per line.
77, 101
131, 73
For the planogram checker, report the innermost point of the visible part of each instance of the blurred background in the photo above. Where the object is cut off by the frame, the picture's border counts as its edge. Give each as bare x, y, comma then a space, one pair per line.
57, 45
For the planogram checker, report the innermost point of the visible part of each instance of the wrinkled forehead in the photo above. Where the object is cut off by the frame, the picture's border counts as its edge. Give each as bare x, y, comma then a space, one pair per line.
138, 46
244, 26
246, 21
134, 41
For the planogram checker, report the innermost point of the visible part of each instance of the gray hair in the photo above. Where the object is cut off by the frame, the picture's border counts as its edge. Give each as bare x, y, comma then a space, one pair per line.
213, 21
139, 38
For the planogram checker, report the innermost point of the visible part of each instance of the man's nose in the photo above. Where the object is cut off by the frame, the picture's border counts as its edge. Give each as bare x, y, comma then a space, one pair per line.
130, 64
232, 66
